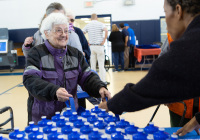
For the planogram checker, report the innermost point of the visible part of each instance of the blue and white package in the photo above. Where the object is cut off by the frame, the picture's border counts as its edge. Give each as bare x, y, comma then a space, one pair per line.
122, 124
55, 118
110, 129
60, 123
85, 115
73, 118
95, 135
67, 114
174, 137
101, 125
92, 119
104, 137
42, 123
130, 130
150, 129
161, 134
13, 135
33, 135
103, 114
66, 130
29, 128
96, 109
117, 135
20, 137
54, 134
110, 118
47, 129
86, 130
150, 137
74, 135
140, 135
78, 124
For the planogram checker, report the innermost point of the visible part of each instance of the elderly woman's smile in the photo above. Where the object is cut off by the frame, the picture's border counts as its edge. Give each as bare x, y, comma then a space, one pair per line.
58, 36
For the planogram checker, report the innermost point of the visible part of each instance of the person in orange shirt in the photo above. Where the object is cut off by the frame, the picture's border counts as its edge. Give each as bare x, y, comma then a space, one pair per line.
176, 110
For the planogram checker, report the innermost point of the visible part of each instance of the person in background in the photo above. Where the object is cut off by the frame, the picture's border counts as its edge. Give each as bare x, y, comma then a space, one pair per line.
125, 36
132, 58
54, 69
174, 76
74, 38
37, 39
95, 31
117, 45
83, 40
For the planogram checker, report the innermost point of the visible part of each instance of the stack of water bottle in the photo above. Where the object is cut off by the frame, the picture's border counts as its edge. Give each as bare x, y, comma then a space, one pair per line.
96, 124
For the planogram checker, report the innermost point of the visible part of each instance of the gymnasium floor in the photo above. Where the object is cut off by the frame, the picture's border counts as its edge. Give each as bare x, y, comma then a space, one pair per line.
14, 94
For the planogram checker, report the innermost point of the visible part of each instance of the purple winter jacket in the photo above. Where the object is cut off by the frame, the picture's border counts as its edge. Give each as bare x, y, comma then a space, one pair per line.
47, 70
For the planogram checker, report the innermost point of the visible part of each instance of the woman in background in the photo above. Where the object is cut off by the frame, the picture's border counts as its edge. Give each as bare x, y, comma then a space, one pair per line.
117, 45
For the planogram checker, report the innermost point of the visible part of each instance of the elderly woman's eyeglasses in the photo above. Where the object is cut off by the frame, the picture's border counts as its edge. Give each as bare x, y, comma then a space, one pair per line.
60, 31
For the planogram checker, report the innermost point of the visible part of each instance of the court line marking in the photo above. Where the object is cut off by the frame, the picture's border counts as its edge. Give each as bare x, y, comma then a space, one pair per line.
11, 88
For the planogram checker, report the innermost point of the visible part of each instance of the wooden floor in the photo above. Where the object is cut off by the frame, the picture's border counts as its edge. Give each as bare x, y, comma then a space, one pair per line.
14, 94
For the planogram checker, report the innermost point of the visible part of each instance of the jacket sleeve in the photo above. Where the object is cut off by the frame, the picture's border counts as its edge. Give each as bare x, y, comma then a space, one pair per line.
173, 77
32, 79
89, 80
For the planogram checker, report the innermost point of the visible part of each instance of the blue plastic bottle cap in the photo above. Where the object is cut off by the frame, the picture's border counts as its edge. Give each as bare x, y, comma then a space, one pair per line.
126, 137
39, 137
29, 128
174, 137
74, 135
150, 129
103, 114
60, 137
54, 130
104, 137
161, 134
86, 129
118, 135
110, 128
122, 124
83, 137
150, 137
96, 109
56, 118
130, 130
19, 136
110, 118
47, 129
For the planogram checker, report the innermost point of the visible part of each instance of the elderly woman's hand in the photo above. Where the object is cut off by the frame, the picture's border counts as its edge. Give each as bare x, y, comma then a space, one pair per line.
103, 105
104, 93
190, 126
62, 95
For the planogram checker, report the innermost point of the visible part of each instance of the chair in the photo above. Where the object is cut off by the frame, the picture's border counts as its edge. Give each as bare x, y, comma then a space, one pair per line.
11, 120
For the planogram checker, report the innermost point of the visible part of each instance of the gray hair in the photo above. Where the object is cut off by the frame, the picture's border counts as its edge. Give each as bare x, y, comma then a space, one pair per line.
54, 6
70, 13
51, 20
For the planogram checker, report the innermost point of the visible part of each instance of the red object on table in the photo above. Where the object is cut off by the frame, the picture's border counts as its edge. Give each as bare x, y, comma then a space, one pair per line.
138, 53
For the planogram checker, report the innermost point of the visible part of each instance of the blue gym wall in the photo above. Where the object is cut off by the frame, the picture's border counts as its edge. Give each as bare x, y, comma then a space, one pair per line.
146, 31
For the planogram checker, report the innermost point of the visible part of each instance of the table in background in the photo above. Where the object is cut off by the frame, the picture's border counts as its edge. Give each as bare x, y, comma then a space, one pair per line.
138, 53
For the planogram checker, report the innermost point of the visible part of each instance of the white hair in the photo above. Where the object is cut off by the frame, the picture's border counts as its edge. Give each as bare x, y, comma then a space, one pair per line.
51, 20
68, 12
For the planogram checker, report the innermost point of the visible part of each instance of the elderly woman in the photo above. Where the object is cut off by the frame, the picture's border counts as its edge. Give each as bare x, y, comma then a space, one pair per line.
175, 75
54, 69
